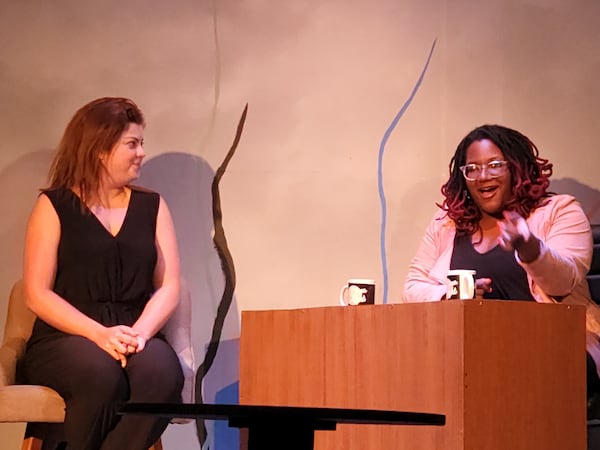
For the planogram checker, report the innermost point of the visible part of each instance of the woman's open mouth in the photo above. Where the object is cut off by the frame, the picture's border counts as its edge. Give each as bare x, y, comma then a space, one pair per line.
487, 192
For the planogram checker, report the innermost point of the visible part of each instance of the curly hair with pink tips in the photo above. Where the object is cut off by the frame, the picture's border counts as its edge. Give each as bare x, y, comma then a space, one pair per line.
530, 177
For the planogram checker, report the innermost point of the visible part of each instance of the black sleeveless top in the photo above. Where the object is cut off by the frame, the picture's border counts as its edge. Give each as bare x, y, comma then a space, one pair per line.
108, 278
509, 280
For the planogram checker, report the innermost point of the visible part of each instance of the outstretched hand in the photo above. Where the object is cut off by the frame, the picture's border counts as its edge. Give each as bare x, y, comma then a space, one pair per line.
515, 235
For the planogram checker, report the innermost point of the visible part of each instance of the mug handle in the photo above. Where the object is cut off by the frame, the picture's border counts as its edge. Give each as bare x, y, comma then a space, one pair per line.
471, 284
343, 295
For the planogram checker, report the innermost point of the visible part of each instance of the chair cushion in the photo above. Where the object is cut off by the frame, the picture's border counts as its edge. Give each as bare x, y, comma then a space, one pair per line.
30, 403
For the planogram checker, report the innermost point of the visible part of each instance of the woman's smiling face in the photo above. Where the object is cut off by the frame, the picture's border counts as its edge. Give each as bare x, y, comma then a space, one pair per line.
123, 162
489, 193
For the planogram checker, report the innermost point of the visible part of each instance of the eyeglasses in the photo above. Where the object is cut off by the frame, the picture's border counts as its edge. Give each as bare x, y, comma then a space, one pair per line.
494, 169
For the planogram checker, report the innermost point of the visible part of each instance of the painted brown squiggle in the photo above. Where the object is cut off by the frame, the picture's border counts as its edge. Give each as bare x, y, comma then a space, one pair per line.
228, 271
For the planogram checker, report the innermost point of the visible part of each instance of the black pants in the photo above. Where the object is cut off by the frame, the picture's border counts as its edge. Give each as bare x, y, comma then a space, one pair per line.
92, 383
593, 390
593, 382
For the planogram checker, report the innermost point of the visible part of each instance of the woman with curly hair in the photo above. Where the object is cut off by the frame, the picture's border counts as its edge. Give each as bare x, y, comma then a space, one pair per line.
499, 219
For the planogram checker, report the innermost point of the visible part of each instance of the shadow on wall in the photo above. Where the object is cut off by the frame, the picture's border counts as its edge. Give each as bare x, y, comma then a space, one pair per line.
20, 182
587, 196
185, 182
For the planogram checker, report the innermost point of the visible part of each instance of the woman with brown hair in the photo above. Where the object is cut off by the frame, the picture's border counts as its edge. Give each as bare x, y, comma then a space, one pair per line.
101, 272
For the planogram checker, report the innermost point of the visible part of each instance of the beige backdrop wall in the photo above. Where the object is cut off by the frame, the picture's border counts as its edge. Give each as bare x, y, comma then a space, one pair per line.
323, 81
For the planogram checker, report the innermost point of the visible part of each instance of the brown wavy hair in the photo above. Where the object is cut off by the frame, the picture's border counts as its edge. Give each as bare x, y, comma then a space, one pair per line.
530, 177
94, 130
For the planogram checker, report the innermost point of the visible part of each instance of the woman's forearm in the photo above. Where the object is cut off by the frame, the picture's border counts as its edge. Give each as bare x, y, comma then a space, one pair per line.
60, 314
158, 310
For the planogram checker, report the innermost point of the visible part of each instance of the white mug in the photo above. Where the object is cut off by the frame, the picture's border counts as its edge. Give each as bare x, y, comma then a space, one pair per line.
358, 291
461, 284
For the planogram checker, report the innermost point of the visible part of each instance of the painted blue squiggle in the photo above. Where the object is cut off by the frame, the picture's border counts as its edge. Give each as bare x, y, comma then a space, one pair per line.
386, 136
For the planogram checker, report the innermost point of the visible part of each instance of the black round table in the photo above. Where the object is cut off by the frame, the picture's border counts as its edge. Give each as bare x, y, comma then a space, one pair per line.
289, 427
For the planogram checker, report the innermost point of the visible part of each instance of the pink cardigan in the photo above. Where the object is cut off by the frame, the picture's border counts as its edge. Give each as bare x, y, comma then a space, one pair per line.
559, 271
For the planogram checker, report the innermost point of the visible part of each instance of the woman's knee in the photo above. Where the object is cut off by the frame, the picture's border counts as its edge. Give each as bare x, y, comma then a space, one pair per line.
155, 373
105, 379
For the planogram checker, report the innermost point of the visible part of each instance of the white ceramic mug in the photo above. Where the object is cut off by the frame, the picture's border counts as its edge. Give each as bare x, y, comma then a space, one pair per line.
461, 284
358, 291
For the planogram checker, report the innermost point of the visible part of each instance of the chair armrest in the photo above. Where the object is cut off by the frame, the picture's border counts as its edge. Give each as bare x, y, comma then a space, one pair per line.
178, 333
10, 352
17, 330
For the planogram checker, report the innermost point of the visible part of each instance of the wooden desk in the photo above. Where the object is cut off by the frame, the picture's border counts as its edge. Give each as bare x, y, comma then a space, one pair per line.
288, 427
506, 374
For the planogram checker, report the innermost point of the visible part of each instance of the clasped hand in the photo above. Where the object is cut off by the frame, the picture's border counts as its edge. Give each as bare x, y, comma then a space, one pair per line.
121, 341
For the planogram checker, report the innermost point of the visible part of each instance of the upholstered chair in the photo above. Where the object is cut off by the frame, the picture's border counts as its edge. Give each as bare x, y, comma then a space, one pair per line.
41, 407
